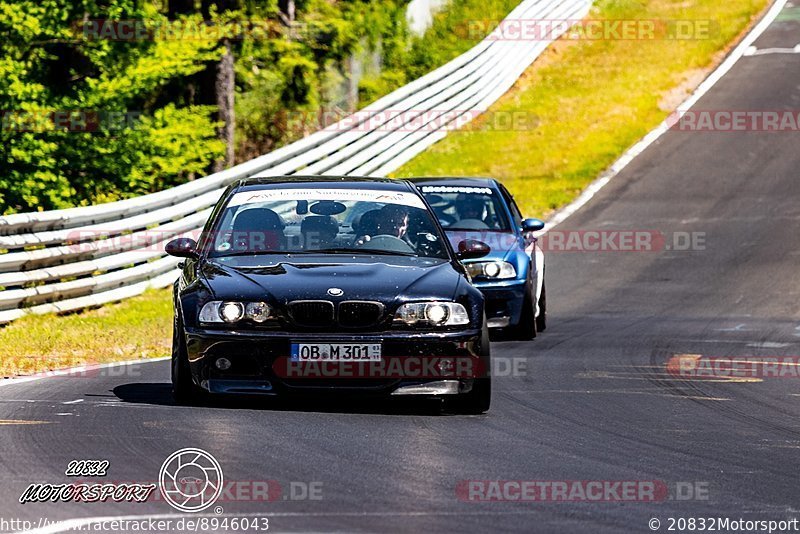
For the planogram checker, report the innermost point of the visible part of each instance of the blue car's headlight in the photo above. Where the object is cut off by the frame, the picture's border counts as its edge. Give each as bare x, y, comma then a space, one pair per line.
496, 270
432, 313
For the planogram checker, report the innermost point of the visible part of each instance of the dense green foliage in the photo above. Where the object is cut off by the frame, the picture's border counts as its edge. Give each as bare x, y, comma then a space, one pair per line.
53, 81
96, 115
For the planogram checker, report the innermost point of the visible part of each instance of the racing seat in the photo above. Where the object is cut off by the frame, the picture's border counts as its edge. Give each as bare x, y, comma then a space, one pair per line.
319, 231
444, 218
258, 229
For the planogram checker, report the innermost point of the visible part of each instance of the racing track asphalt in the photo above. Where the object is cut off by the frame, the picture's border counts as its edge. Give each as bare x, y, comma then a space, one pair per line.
594, 404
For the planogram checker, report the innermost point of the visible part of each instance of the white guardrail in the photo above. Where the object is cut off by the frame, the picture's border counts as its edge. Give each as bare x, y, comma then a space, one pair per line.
65, 260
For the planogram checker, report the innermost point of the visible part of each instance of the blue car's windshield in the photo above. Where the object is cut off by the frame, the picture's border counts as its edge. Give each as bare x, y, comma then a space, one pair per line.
311, 220
467, 207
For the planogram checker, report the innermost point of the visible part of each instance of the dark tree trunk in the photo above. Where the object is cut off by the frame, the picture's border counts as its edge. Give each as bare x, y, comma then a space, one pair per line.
180, 7
288, 10
224, 89
220, 81
186, 88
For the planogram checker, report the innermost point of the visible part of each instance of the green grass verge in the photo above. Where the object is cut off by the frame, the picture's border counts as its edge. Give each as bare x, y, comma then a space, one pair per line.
583, 103
140, 327
591, 101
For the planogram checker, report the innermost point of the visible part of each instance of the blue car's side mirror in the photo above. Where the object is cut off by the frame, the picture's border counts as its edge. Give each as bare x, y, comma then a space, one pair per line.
532, 225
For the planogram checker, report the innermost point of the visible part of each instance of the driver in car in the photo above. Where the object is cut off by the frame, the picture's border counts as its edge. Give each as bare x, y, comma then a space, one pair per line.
391, 220
470, 207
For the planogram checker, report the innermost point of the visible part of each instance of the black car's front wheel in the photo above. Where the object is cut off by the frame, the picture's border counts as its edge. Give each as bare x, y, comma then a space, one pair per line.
183, 389
477, 401
479, 398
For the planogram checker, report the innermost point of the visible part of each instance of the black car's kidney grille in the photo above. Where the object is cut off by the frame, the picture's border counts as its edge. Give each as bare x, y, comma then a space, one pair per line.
359, 314
323, 313
311, 313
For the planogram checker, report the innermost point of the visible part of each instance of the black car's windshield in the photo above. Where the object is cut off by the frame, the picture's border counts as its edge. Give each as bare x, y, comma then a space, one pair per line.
303, 220
467, 207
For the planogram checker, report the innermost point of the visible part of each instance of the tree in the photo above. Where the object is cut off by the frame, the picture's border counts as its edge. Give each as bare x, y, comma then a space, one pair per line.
86, 118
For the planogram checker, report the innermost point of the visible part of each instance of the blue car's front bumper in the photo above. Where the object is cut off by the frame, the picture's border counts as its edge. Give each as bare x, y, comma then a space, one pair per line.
503, 301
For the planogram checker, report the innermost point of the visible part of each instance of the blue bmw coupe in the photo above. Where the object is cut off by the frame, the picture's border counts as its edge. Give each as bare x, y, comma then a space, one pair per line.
511, 277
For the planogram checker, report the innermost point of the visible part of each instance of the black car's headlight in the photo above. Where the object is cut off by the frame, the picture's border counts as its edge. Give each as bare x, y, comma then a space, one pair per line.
218, 311
432, 313
496, 270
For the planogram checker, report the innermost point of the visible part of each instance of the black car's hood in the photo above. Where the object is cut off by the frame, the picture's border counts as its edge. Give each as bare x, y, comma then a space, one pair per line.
383, 279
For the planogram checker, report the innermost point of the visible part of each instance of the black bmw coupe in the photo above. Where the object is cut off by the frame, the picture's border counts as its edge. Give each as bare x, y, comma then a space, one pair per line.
320, 284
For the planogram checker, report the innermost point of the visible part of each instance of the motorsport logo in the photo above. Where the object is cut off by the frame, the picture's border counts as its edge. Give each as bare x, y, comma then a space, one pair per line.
191, 480
86, 492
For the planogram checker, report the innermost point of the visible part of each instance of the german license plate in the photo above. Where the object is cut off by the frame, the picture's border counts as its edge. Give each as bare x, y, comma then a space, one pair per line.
336, 352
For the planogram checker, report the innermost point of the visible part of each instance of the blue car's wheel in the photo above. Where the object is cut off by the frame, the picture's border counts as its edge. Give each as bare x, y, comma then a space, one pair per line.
541, 319
525, 329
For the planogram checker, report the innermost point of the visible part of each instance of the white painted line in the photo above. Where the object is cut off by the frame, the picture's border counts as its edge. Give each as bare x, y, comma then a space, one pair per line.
661, 129
737, 328
76, 370
753, 51
73, 402
768, 345
747, 342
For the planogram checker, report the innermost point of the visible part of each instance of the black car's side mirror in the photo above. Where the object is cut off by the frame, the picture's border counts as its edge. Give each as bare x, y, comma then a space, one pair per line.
183, 247
470, 249
532, 225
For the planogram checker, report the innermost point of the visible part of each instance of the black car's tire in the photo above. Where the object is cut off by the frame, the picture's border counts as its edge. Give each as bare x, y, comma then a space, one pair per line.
541, 320
525, 329
477, 401
183, 389
479, 398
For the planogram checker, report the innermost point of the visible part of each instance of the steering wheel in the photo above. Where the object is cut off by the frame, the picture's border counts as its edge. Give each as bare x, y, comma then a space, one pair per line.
388, 243
472, 224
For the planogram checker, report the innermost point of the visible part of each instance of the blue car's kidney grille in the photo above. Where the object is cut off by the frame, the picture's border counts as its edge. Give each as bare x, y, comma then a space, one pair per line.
312, 313
359, 314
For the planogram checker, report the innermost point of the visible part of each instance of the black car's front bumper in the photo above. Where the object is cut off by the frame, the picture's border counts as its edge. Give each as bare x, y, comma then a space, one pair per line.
430, 363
